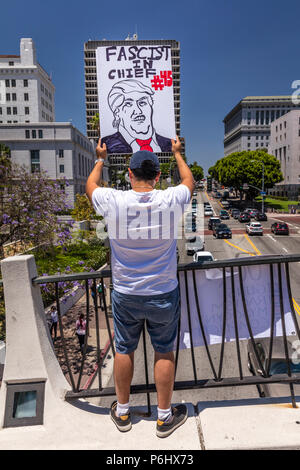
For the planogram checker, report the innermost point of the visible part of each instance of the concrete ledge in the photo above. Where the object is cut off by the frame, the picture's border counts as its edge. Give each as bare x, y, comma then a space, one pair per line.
85, 426
256, 424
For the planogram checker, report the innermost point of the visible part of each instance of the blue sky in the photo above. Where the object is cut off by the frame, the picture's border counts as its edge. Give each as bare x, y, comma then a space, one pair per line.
229, 49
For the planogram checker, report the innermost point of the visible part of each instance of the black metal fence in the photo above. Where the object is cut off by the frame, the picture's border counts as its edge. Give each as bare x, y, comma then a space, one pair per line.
228, 268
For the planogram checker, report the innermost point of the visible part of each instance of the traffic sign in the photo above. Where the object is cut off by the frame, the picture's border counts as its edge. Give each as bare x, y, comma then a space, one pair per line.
262, 193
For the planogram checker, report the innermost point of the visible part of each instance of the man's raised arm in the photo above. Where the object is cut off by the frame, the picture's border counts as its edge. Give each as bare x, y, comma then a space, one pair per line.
95, 176
184, 171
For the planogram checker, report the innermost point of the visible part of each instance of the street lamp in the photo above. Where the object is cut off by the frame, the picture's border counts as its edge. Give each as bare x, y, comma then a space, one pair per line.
263, 183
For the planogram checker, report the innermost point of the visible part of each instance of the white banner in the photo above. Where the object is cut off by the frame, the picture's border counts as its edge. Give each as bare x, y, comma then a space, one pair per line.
136, 102
257, 290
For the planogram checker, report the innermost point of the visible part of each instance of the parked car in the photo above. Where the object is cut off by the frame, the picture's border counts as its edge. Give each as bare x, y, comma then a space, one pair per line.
261, 216
244, 217
195, 193
194, 244
194, 201
213, 221
201, 256
280, 228
224, 215
208, 211
221, 231
278, 364
254, 228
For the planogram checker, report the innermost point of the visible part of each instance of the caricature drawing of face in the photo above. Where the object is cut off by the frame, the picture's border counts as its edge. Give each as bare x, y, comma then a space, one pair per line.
132, 105
135, 115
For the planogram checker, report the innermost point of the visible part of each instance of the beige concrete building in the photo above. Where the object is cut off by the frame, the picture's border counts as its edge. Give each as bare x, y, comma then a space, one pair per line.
285, 146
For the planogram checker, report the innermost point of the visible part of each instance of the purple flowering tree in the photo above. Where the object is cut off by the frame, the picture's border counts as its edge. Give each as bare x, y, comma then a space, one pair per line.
30, 203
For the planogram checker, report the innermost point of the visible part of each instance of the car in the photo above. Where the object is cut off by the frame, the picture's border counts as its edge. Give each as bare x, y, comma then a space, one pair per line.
195, 193
261, 216
201, 256
218, 195
225, 203
254, 228
194, 201
224, 215
208, 212
278, 364
252, 212
244, 217
235, 213
280, 228
212, 221
221, 231
194, 244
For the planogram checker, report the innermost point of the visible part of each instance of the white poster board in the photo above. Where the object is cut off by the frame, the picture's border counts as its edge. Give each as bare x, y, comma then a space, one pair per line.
136, 102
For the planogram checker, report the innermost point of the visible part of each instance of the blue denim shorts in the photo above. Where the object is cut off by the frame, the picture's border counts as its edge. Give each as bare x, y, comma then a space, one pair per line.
161, 313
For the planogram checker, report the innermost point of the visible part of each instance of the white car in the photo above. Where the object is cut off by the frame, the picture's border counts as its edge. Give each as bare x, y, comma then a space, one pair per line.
208, 211
254, 228
201, 256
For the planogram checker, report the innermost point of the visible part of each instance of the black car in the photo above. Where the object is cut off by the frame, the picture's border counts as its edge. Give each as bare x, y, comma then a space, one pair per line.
235, 213
213, 221
280, 228
224, 214
244, 217
222, 231
261, 216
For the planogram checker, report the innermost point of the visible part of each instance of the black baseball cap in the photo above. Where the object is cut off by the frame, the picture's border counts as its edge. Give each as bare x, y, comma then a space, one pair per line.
139, 157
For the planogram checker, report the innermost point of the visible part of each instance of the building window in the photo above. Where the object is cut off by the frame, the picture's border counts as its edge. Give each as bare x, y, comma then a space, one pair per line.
0, 110
40, 134
61, 168
33, 134
27, 134
8, 110
11, 64
14, 96
61, 153
257, 118
7, 83
35, 160
13, 83
26, 97
25, 83
7, 96
15, 110
26, 110
42, 87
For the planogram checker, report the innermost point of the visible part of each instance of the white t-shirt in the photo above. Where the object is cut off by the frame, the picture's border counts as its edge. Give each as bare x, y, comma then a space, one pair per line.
142, 229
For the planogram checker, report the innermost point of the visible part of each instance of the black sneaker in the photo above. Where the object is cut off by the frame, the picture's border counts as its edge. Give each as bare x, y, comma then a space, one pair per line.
122, 422
180, 414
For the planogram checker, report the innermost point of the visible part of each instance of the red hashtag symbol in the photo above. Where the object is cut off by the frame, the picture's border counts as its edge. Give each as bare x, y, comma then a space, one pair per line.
157, 83
167, 77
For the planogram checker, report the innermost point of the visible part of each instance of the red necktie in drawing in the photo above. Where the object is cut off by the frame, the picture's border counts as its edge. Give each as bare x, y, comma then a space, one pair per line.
145, 144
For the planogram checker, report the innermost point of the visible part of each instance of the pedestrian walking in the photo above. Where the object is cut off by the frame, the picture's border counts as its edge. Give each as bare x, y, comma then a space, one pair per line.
54, 321
144, 270
101, 293
80, 330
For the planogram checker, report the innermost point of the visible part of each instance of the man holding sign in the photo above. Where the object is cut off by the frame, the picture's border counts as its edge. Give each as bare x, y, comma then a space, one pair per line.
144, 273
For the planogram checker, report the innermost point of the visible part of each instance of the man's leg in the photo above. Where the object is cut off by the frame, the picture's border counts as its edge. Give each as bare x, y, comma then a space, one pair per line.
123, 373
164, 372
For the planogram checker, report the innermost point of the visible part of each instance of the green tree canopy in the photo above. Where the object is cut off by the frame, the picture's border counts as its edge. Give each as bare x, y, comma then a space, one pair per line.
83, 209
239, 168
197, 171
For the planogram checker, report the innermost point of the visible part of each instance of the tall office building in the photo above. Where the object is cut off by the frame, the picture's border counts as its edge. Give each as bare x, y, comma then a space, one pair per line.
247, 125
117, 161
285, 146
26, 89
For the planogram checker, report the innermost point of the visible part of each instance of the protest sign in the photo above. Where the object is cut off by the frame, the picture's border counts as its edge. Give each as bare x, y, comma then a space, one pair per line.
136, 102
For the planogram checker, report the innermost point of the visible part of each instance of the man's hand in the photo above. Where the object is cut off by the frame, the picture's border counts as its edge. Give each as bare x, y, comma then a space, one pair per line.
176, 145
101, 151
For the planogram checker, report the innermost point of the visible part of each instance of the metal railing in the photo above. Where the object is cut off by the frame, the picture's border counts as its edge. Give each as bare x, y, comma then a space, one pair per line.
231, 269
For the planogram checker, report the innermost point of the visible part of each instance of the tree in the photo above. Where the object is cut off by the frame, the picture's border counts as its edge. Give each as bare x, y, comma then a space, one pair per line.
95, 123
197, 171
30, 204
239, 168
83, 209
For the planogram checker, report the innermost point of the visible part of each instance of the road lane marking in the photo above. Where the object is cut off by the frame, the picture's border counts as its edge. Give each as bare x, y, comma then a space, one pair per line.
272, 238
296, 306
252, 244
241, 249
285, 249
